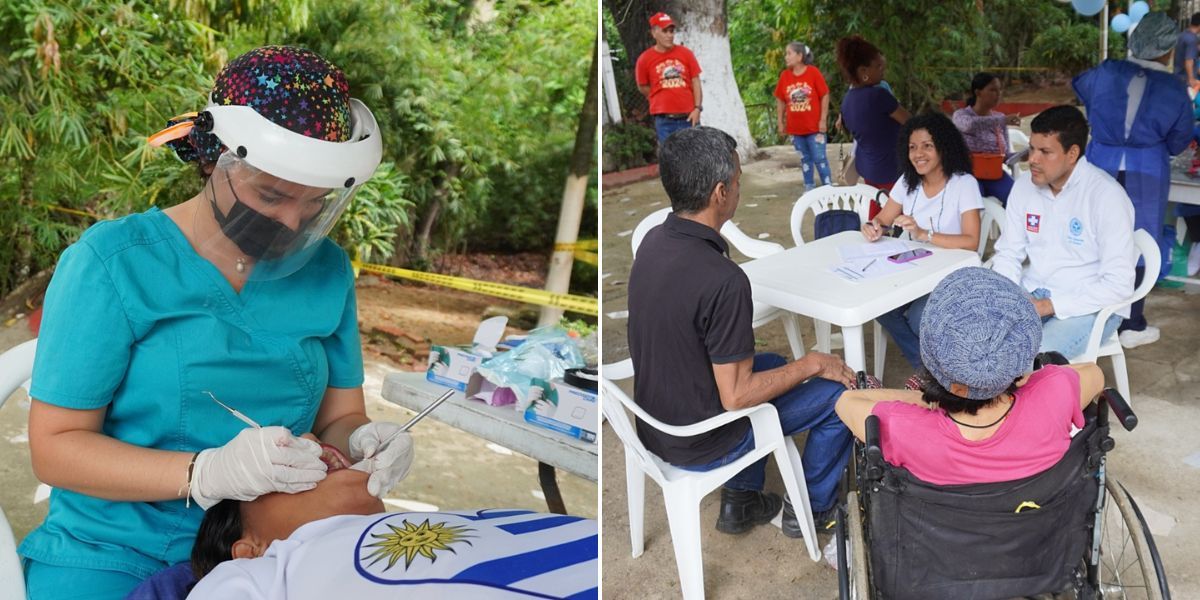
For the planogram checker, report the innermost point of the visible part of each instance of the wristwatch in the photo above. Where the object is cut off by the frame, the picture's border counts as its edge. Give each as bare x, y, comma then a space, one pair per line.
699, 108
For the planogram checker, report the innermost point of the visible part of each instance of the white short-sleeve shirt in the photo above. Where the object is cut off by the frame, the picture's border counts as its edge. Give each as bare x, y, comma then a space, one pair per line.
941, 213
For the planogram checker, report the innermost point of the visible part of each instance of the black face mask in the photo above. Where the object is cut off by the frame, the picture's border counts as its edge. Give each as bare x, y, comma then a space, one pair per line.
257, 235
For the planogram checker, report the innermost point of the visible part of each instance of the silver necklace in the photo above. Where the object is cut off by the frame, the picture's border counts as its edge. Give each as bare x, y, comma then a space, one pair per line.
241, 265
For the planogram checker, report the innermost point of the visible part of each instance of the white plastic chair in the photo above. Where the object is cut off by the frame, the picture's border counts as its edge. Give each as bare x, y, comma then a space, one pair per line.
993, 215
683, 490
1017, 141
16, 367
1148, 250
818, 200
750, 247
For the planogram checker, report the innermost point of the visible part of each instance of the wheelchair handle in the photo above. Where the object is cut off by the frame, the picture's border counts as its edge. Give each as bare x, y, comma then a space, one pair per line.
1120, 408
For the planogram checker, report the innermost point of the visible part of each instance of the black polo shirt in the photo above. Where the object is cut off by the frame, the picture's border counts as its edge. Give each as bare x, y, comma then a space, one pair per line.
689, 308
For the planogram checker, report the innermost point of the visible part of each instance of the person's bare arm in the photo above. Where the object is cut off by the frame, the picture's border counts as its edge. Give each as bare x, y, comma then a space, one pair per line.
342, 411
1091, 382
823, 124
740, 387
698, 96
645, 90
780, 107
967, 240
873, 229
900, 115
854, 406
1189, 67
69, 451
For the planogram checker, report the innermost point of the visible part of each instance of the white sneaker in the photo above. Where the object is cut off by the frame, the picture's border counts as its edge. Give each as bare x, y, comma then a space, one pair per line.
1194, 260
1133, 339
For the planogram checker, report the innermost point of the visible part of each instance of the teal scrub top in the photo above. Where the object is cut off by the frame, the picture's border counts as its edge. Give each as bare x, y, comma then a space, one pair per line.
136, 322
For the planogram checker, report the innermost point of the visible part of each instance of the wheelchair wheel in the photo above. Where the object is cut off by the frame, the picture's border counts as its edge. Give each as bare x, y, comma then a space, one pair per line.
1130, 566
853, 546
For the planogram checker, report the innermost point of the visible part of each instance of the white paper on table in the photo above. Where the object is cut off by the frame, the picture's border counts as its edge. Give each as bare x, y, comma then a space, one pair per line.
879, 248
868, 268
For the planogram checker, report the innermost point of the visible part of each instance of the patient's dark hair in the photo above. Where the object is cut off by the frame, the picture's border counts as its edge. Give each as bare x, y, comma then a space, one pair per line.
221, 527
934, 393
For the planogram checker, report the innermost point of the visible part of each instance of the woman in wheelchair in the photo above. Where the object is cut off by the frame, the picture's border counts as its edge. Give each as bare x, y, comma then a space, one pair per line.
984, 415
981, 486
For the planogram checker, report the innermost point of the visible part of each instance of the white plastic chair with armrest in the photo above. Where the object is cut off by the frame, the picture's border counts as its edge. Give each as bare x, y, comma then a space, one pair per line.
993, 215
1148, 249
828, 197
683, 490
750, 247
1017, 141
16, 367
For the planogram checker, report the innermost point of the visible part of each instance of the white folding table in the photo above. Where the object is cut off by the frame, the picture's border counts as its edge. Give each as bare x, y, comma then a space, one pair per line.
1184, 190
799, 280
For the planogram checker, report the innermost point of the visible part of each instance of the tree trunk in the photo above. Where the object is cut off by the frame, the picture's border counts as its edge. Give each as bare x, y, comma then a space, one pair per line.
425, 230
574, 193
703, 29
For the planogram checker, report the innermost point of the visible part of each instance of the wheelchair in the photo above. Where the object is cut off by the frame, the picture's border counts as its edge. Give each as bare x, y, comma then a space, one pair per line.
1070, 532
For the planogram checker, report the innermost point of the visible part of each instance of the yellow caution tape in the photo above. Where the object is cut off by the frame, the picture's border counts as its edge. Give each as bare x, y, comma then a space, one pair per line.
590, 258
577, 245
578, 304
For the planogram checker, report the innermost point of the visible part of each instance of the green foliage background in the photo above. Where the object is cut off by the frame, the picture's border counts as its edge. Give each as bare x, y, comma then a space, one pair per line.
479, 117
933, 49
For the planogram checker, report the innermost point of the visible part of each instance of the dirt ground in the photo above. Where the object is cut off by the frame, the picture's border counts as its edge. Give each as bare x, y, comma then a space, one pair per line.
1159, 462
452, 469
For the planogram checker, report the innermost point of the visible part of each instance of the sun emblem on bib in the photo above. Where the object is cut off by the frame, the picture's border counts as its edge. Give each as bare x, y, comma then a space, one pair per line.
410, 540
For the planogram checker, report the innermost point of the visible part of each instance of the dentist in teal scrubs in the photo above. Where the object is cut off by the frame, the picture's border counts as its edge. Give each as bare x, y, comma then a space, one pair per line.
235, 294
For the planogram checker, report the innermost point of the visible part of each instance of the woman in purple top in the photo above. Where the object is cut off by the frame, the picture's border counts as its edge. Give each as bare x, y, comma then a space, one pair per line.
986, 130
872, 114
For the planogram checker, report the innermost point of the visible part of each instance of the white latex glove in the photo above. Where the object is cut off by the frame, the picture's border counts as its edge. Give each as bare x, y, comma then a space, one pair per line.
256, 462
384, 452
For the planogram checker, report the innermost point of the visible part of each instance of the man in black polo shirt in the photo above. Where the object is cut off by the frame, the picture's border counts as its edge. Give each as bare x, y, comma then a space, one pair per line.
692, 344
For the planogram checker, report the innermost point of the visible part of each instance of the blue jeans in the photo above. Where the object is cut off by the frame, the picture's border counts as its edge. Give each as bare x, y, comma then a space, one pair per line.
808, 406
1070, 336
904, 325
998, 188
664, 127
812, 155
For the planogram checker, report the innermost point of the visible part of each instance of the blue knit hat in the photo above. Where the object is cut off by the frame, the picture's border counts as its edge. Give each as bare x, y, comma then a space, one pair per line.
981, 330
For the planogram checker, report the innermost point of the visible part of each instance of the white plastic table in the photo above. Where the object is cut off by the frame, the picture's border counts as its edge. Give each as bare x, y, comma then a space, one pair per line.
798, 280
501, 425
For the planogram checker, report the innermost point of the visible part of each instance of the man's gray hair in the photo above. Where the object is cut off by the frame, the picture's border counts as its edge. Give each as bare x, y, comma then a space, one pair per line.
691, 162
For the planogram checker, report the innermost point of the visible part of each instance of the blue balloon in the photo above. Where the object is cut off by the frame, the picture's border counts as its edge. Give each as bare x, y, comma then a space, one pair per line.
1137, 10
1087, 8
1121, 23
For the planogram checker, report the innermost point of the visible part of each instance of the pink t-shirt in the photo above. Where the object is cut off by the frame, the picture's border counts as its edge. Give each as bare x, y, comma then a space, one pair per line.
1033, 438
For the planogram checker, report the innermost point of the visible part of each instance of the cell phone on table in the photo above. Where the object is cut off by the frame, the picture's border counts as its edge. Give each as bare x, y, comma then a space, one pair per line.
904, 257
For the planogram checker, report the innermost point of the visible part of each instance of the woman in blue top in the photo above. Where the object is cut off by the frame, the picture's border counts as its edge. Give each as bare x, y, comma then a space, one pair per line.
1140, 116
872, 114
235, 294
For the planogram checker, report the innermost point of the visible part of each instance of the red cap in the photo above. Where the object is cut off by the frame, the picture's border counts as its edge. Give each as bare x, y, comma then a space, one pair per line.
661, 20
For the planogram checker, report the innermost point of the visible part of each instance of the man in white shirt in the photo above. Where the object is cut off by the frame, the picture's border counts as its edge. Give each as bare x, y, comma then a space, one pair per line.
1075, 224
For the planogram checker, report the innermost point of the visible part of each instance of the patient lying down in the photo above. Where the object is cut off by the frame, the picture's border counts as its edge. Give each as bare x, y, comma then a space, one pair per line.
335, 541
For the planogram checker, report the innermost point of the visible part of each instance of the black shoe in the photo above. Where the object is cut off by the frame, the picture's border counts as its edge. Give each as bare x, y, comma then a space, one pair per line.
824, 521
742, 510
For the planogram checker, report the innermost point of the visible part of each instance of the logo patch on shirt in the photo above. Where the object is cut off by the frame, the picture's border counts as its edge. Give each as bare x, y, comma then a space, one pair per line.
1033, 222
1075, 234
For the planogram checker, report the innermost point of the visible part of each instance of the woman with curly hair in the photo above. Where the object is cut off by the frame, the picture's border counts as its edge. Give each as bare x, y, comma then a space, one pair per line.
870, 112
936, 200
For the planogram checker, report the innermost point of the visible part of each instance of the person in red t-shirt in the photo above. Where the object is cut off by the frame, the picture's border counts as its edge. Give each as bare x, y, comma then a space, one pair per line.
669, 76
802, 104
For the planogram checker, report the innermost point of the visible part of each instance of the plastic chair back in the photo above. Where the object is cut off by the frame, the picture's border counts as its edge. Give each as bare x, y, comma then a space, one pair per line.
651, 221
993, 214
856, 198
16, 367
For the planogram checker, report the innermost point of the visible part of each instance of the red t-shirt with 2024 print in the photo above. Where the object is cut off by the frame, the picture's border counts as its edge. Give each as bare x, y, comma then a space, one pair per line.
669, 75
801, 95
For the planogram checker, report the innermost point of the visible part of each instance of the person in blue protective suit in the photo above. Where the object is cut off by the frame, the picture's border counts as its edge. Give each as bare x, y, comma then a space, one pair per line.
1140, 116
234, 295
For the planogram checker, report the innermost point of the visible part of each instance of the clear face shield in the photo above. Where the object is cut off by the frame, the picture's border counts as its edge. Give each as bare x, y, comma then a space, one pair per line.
267, 226
275, 194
